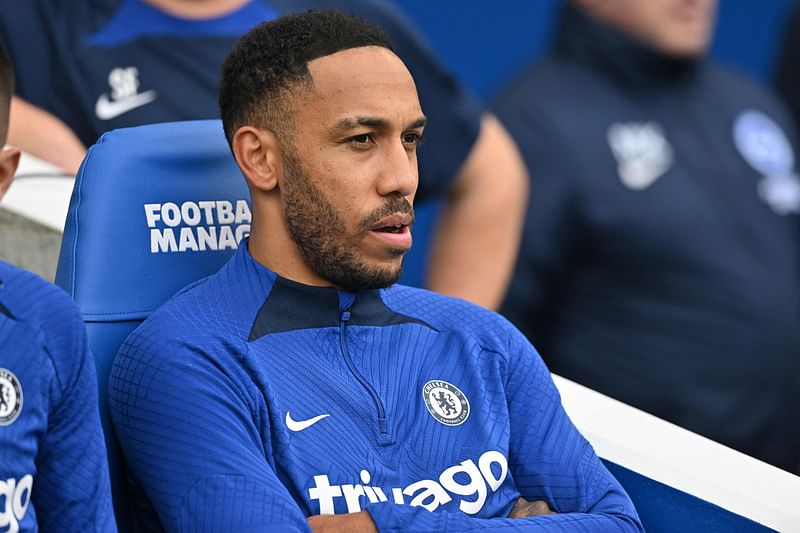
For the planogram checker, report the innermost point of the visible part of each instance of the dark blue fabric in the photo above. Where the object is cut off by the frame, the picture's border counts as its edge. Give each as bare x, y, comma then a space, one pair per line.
66, 53
53, 469
665, 509
202, 412
681, 297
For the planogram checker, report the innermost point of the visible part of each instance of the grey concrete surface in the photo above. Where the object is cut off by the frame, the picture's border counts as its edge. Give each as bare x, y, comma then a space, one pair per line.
28, 244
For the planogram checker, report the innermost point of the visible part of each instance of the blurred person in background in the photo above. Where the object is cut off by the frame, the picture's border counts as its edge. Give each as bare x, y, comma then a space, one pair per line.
659, 262
88, 66
53, 466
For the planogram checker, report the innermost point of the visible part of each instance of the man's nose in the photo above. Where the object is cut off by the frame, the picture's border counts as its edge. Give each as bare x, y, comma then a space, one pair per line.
399, 172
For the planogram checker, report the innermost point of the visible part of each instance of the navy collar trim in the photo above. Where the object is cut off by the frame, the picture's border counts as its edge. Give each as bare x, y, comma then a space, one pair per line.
293, 306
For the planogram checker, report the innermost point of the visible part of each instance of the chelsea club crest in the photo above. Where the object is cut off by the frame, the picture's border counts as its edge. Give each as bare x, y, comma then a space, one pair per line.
10, 397
445, 402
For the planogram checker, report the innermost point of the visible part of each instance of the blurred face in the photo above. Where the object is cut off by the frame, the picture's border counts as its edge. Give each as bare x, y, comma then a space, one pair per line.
351, 176
674, 27
197, 8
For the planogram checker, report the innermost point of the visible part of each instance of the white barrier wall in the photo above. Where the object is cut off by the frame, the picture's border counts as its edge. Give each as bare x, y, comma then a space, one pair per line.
738, 485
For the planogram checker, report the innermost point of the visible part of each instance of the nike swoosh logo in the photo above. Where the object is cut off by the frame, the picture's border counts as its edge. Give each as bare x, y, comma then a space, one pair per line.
300, 425
106, 109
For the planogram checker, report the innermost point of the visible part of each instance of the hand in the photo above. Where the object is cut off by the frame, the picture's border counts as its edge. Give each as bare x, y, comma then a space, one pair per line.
523, 508
342, 523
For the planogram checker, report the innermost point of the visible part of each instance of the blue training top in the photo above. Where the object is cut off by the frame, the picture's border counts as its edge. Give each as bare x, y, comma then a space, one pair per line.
250, 401
53, 468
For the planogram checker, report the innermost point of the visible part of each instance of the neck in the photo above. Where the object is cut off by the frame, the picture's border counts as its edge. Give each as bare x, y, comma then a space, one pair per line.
197, 9
271, 245
622, 59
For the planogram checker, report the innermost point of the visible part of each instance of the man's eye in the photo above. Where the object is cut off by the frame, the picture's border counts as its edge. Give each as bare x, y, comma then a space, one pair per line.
412, 138
364, 138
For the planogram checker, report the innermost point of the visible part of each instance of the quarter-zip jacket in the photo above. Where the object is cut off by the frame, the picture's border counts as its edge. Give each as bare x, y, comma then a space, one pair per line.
249, 400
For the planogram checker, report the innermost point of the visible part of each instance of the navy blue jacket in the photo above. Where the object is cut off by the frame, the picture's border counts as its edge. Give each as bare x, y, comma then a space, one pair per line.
660, 256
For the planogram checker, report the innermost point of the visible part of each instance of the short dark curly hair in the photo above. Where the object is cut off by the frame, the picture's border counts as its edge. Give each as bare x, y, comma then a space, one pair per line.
272, 59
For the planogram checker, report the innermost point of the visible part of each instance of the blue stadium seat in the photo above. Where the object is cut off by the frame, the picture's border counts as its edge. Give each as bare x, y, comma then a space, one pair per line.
154, 208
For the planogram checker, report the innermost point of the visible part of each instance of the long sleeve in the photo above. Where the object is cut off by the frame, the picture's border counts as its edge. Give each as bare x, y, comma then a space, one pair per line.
72, 490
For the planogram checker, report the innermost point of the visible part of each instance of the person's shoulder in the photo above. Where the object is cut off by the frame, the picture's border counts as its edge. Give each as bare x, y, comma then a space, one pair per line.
206, 315
32, 299
728, 81
550, 94
551, 77
192, 309
736, 92
29, 299
447, 313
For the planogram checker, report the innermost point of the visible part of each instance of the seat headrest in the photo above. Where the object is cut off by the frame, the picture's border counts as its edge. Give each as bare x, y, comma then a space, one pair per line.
154, 208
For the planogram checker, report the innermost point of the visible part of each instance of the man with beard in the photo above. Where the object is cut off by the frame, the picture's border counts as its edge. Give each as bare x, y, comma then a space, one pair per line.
299, 387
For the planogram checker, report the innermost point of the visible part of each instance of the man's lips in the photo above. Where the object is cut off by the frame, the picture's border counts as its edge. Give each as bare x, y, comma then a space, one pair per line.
394, 230
394, 222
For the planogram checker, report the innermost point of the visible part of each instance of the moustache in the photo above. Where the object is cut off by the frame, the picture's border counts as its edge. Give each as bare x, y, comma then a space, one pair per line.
395, 204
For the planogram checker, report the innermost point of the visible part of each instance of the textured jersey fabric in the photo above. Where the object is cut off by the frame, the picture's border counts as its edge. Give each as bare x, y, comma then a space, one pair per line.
53, 470
660, 256
105, 64
250, 401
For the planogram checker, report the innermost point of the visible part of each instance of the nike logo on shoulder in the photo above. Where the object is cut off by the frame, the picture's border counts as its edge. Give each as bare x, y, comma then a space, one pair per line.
300, 425
106, 109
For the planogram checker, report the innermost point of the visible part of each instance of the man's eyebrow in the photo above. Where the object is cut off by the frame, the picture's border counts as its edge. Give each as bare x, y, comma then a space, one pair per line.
350, 123
419, 123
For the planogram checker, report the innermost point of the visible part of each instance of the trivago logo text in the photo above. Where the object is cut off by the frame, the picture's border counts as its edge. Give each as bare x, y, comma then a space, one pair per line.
469, 482
197, 226
14, 499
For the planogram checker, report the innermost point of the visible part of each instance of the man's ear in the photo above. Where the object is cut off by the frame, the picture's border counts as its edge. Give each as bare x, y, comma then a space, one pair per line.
9, 159
258, 153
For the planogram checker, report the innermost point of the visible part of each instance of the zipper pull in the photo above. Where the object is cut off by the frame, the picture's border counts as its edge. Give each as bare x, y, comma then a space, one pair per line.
346, 315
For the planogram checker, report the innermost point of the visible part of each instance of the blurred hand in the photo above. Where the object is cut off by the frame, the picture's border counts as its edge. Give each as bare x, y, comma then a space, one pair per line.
342, 523
523, 508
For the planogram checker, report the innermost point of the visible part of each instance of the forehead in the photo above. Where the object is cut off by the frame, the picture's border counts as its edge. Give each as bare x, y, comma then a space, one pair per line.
370, 80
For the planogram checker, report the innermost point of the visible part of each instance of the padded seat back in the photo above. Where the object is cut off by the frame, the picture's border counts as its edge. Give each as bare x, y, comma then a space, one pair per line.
154, 208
